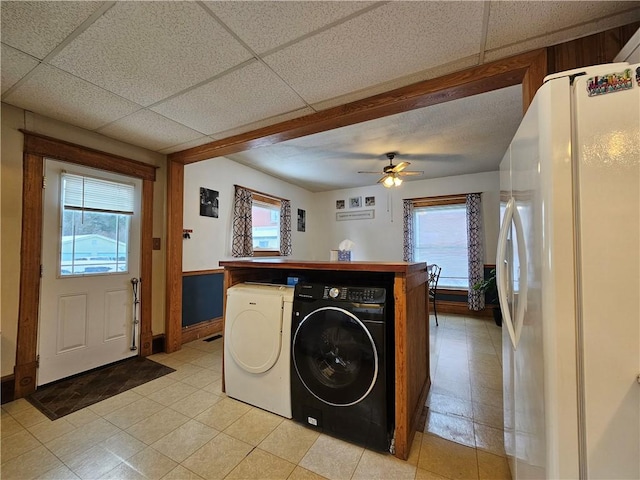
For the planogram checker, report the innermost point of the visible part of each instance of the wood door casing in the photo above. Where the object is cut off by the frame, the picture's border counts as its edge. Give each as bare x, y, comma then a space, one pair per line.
36, 147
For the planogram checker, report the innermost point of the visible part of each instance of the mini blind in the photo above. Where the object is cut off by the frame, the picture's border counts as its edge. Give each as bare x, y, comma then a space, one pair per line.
96, 195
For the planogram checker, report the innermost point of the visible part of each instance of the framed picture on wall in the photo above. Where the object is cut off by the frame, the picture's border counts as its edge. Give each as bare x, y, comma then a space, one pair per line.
302, 220
369, 201
209, 202
339, 204
355, 202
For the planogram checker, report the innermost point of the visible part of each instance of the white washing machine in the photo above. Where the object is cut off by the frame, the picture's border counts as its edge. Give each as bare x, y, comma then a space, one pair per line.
257, 346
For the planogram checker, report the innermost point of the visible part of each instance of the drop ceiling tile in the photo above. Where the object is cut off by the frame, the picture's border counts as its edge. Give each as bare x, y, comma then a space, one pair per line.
561, 36
512, 22
395, 40
37, 28
246, 95
59, 95
183, 146
430, 73
15, 65
264, 123
147, 51
266, 25
150, 130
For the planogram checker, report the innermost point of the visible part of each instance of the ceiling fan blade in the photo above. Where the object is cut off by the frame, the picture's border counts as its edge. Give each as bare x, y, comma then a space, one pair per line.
377, 173
382, 179
399, 167
413, 172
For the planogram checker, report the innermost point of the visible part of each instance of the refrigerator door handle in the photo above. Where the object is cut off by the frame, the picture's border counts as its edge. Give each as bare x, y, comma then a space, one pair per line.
522, 276
501, 277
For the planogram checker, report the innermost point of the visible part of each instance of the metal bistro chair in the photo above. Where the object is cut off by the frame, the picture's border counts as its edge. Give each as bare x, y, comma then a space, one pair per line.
434, 275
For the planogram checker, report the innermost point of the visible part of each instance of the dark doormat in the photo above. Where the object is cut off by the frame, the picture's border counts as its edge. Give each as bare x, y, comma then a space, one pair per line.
66, 396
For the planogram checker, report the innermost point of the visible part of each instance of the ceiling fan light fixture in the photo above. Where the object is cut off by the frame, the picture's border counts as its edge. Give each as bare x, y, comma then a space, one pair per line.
392, 180
391, 174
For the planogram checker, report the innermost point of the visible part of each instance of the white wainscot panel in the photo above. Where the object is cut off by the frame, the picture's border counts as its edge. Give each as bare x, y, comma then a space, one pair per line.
72, 322
117, 314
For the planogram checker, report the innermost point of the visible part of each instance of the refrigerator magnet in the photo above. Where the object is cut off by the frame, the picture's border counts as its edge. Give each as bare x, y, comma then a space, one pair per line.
612, 82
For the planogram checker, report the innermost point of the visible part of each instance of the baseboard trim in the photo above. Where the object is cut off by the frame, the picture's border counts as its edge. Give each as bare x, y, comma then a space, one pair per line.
201, 330
157, 344
7, 389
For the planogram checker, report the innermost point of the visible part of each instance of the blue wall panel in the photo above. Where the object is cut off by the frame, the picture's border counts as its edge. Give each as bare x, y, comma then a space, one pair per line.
202, 297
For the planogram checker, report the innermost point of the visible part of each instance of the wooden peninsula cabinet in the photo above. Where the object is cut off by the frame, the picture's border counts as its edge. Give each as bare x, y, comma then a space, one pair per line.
407, 281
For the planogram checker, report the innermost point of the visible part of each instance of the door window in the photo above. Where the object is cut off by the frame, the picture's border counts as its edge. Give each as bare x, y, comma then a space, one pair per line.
95, 226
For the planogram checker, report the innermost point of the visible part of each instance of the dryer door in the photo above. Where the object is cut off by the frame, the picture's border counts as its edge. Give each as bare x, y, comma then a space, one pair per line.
335, 356
253, 329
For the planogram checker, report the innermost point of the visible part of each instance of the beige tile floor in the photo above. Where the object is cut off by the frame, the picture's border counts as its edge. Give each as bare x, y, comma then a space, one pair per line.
182, 426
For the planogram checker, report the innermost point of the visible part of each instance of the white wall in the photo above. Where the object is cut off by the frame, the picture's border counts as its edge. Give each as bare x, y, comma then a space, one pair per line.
381, 239
11, 200
377, 239
210, 241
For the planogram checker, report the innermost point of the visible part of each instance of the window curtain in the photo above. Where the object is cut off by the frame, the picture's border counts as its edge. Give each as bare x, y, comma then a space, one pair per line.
476, 250
285, 228
242, 243
407, 207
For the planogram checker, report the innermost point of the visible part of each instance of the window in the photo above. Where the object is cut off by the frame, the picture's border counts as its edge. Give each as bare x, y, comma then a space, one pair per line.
265, 225
95, 225
440, 236
261, 224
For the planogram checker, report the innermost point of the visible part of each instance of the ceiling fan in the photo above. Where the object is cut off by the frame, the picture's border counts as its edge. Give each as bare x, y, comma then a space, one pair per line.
391, 173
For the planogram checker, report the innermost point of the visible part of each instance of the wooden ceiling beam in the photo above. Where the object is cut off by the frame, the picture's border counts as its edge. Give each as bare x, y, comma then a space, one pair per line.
472, 81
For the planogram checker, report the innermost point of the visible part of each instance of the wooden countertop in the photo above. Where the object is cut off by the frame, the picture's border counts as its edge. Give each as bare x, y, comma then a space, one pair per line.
353, 266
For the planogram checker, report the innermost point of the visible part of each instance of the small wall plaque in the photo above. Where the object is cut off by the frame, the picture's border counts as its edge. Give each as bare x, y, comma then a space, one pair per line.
360, 215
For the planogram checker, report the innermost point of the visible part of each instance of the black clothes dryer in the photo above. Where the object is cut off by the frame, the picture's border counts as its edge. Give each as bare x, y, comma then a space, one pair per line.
342, 363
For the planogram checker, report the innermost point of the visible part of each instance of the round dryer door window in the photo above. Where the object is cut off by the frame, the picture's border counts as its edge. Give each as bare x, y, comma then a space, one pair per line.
335, 356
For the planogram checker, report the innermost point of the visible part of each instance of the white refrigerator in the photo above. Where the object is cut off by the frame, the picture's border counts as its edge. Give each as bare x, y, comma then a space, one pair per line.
568, 266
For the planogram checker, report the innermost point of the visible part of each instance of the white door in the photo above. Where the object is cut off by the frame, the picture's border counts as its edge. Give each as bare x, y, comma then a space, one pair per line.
253, 329
90, 253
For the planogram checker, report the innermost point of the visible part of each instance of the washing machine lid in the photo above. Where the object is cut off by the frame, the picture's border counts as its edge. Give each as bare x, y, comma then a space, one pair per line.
253, 328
